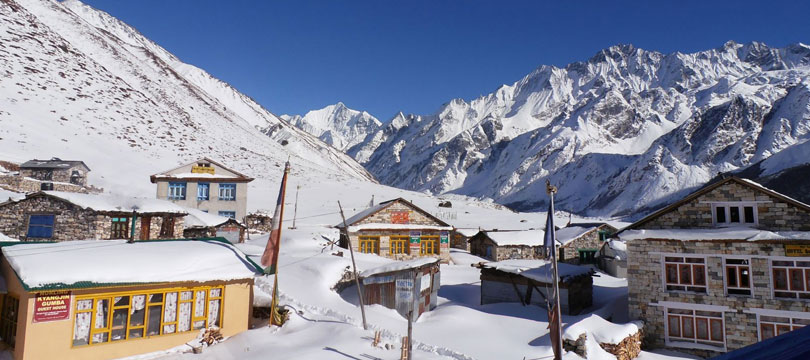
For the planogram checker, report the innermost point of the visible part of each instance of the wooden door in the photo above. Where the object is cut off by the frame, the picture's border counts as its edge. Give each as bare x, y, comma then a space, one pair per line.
146, 224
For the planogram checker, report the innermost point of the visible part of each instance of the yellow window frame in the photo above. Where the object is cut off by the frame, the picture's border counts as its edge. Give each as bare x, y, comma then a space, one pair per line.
369, 244
110, 297
429, 245
399, 244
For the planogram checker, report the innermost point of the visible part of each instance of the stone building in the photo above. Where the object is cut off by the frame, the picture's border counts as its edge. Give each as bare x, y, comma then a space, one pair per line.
580, 243
205, 185
259, 220
509, 244
727, 266
62, 216
54, 174
399, 230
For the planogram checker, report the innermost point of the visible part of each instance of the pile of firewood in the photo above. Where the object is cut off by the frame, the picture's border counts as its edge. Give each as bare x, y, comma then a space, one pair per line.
211, 336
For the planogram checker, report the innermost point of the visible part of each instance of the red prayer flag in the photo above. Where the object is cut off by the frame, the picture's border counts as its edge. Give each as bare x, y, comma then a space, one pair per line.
270, 256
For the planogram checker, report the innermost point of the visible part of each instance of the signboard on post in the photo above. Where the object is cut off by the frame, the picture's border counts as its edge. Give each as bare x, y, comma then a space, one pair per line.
416, 236
52, 306
797, 250
444, 239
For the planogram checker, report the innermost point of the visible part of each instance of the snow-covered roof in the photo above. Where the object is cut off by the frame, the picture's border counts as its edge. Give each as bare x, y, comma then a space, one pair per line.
376, 208
538, 270
384, 226
91, 263
734, 233
197, 176
55, 163
198, 218
603, 331
519, 237
619, 248
571, 233
114, 203
168, 173
399, 265
468, 232
4, 237
363, 214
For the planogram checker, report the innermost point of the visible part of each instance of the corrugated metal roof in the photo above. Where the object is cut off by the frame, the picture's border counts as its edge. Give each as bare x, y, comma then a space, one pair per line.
794, 345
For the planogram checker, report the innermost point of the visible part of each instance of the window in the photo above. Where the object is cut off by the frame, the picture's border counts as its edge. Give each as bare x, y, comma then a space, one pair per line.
202, 191
685, 274
40, 226
430, 244
123, 316
738, 277
791, 279
695, 326
603, 235
370, 244
770, 326
227, 192
120, 228
399, 244
230, 214
167, 227
177, 191
8, 319
725, 214
586, 256
46, 186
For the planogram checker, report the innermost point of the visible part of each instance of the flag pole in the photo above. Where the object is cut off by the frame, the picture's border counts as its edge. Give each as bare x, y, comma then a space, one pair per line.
270, 260
557, 343
354, 267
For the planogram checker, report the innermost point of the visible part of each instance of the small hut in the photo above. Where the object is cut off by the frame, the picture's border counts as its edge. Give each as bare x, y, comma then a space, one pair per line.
528, 282
581, 243
202, 224
504, 245
407, 286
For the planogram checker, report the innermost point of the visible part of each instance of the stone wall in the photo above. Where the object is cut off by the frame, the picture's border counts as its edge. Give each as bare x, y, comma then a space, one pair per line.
569, 253
259, 222
28, 185
71, 222
385, 216
646, 287
57, 175
774, 213
480, 242
385, 244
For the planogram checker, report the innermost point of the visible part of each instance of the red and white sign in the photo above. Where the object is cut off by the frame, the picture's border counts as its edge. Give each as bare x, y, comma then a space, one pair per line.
400, 217
52, 306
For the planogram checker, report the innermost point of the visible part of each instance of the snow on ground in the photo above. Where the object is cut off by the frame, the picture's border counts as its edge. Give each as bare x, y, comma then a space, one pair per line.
326, 324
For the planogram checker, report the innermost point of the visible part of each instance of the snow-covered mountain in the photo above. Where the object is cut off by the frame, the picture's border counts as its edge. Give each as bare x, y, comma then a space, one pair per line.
625, 130
337, 125
79, 84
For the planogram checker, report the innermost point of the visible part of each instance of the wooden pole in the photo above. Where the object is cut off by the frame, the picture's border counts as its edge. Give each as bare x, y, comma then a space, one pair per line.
354, 267
558, 315
295, 210
410, 316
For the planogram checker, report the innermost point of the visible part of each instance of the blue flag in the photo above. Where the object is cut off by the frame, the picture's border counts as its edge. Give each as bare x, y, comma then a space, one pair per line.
549, 240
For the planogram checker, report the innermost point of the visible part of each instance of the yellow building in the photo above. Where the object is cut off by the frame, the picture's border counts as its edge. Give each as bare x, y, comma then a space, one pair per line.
107, 299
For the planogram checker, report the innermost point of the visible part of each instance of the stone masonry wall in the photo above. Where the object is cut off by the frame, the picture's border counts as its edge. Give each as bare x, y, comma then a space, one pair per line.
646, 288
775, 214
384, 216
590, 240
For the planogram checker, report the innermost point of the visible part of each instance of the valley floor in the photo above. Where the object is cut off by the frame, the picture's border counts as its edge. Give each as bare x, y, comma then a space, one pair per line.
327, 325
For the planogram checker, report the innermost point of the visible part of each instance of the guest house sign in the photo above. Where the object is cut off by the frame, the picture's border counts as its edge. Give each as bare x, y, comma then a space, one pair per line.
202, 170
52, 306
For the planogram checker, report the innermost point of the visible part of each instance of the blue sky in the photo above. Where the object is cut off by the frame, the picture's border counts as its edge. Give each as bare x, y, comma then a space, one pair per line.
385, 56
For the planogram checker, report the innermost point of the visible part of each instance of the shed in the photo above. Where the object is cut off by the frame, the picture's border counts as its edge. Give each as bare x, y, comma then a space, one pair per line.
508, 244
580, 243
529, 281
407, 286
67, 299
202, 224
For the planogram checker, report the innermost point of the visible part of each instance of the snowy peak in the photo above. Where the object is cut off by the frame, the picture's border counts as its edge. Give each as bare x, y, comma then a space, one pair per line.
336, 125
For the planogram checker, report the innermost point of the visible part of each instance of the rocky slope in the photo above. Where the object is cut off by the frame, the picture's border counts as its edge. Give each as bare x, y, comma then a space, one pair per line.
625, 130
337, 125
78, 83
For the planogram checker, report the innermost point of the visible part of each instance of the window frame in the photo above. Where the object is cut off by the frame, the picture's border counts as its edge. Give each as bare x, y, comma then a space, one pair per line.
220, 213
110, 297
172, 192
432, 242
740, 206
694, 341
803, 269
224, 188
52, 226
364, 240
676, 286
738, 271
117, 230
395, 242
207, 187
8, 322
